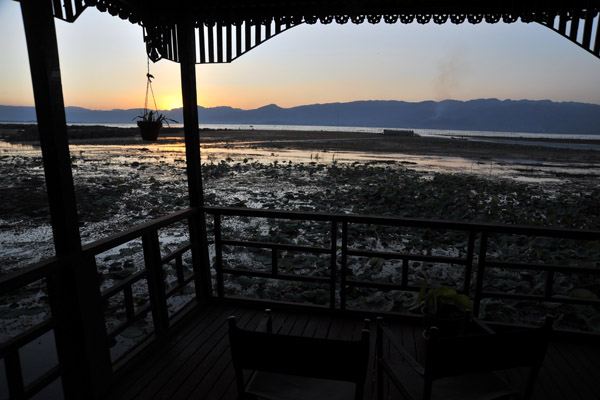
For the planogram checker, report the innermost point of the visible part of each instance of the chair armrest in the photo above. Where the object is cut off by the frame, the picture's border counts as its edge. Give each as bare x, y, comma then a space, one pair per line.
414, 364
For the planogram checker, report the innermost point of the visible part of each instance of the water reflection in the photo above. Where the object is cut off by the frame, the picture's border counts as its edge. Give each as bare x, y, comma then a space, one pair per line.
521, 170
171, 151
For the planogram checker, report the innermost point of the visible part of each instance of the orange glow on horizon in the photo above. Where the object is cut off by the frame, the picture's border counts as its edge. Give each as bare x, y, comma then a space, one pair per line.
169, 101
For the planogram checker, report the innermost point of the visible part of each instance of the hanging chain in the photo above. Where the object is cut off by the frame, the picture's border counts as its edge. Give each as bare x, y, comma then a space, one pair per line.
149, 88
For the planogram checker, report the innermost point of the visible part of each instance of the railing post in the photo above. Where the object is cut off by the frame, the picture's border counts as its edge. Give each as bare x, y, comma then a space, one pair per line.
344, 265
469, 264
199, 250
156, 281
404, 279
128, 300
333, 276
274, 261
480, 273
218, 255
179, 271
548, 284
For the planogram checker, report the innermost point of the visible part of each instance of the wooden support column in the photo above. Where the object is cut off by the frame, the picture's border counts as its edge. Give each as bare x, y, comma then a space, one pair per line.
74, 292
187, 59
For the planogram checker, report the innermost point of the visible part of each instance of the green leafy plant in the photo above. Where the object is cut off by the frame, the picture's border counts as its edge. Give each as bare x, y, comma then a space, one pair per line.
150, 123
443, 302
154, 116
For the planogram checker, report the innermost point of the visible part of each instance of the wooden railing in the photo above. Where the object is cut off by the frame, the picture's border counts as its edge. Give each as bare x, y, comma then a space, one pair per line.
275, 248
152, 273
475, 261
9, 350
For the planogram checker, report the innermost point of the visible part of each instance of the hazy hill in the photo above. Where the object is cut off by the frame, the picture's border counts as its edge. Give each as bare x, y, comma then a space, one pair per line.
485, 114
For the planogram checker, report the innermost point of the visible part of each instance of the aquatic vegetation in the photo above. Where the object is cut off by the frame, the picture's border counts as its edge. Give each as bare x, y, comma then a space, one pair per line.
117, 189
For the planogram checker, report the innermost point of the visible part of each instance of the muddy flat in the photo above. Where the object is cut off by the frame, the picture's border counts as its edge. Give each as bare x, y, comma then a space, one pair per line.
121, 181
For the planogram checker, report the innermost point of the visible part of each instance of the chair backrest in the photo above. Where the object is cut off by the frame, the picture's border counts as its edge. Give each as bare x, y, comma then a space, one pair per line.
458, 355
344, 360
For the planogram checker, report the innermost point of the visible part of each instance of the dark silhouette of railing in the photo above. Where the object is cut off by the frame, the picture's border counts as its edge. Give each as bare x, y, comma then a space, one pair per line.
152, 272
475, 261
9, 350
477, 233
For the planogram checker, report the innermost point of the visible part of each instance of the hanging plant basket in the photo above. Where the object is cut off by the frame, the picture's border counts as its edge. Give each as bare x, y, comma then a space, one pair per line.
150, 122
149, 129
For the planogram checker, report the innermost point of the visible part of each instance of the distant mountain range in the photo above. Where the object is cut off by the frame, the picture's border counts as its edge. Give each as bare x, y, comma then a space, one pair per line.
486, 114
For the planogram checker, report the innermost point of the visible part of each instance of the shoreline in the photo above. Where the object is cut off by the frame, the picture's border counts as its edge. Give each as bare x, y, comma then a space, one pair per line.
466, 146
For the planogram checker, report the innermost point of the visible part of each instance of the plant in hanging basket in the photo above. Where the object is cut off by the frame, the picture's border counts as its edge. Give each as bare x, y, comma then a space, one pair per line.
150, 123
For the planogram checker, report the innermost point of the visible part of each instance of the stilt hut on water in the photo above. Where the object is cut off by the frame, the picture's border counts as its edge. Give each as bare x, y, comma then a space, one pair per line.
185, 353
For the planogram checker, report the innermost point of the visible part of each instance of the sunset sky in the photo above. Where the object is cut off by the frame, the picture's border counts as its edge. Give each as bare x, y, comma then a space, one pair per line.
103, 65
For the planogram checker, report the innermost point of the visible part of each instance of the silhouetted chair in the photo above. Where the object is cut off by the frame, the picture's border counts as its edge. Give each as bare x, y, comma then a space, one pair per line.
293, 367
462, 367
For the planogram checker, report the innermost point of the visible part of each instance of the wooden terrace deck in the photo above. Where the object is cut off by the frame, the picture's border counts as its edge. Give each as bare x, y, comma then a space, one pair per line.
195, 362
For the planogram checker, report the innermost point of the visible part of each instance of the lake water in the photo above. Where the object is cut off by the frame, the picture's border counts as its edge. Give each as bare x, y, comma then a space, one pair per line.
214, 152
423, 132
495, 136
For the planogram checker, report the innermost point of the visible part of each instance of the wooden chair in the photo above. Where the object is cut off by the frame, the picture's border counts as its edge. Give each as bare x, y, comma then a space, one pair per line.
294, 367
462, 367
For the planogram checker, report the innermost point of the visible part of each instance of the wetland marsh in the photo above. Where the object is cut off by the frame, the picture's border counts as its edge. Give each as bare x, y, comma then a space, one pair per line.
121, 181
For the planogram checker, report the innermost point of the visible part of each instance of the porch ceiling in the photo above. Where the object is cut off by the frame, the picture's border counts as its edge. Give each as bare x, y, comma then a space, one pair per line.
233, 11
226, 29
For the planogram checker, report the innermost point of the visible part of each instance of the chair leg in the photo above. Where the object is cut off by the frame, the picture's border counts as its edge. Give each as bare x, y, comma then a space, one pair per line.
528, 394
378, 355
379, 390
239, 381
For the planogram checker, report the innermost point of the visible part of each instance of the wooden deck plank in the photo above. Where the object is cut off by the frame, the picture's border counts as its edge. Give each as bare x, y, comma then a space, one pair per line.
220, 366
140, 378
556, 380
585, 360
299, 325
323, 327
224, 388
200, 362
180, 353
287, 323
569, 383
196, 363
175, 373
311, 327
411, 339
335, 329
204, 376
516, 378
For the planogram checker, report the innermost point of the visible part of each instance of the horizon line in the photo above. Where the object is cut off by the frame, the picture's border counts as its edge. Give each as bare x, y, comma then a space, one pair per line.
312, 104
